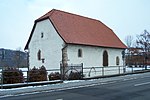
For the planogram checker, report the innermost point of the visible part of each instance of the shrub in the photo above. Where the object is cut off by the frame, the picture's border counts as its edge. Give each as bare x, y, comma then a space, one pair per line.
43, 73
54, 76
36, 75
75, 75
12, 75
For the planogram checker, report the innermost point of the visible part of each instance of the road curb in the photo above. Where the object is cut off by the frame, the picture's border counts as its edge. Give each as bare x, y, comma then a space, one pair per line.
9, 86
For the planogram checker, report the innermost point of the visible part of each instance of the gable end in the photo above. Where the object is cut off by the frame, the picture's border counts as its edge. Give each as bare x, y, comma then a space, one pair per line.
36, 21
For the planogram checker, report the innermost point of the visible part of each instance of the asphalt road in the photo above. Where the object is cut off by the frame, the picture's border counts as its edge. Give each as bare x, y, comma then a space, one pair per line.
133, 88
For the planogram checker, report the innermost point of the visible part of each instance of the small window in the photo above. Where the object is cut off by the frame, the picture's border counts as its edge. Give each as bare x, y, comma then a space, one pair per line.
42, 34
79, 52
117, 60
39, 55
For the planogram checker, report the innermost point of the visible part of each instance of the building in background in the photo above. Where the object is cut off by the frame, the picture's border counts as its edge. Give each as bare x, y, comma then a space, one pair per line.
136, 57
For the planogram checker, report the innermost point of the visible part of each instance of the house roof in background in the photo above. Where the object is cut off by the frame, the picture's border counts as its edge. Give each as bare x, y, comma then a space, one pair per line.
76, 29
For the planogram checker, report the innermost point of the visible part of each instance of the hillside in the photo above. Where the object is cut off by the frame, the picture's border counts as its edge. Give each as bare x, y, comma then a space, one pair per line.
12, 58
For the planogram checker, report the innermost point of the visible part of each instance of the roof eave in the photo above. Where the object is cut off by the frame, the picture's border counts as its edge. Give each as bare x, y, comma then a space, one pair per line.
98, 46
41, 19
26, 47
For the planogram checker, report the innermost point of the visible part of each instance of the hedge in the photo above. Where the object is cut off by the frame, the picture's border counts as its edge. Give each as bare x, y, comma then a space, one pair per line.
37, 74
12, 75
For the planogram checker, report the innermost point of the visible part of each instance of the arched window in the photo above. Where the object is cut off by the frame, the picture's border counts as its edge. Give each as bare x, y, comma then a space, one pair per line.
39, 55
117, 60
105, 58
79, 52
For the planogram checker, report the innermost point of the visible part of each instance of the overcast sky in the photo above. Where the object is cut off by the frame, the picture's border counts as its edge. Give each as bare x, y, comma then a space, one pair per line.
124, 17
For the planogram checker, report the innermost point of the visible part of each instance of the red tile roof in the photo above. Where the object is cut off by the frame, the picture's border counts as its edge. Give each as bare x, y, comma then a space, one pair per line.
76, 29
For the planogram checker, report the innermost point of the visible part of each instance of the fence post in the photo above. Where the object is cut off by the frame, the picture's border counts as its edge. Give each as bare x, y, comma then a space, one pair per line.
119, 69
27, 76
2, 79
132, 68
102, 71
82, 70
124, 69
62, 71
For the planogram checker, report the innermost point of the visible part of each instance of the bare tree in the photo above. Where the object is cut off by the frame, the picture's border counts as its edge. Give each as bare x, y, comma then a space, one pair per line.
143, 41
129, 41
3, 61
18, 59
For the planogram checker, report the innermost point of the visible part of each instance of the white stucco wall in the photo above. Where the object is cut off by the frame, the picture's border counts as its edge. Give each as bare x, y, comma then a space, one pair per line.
93, 56
50, 46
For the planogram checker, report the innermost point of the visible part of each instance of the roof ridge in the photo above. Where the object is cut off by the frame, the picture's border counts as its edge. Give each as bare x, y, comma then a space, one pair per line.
76, 14
49, 13
52, 11
84, 17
